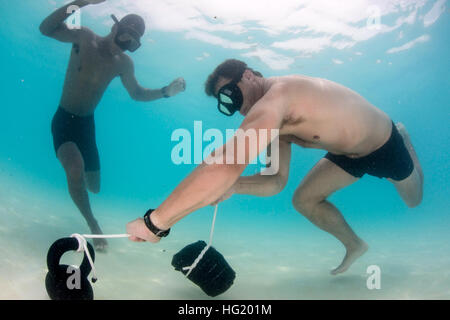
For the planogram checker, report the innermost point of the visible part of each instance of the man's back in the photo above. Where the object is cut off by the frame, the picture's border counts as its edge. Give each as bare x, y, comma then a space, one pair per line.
327, 115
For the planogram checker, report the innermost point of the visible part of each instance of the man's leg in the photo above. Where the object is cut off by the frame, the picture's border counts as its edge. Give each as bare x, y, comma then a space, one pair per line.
411, 188
310, 200
93, 181
72, 161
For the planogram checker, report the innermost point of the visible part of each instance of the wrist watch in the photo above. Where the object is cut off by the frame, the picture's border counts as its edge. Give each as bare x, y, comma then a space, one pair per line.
164, 92
154, 229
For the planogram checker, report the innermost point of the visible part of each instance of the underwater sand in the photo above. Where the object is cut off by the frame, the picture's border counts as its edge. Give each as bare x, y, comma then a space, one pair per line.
293, 265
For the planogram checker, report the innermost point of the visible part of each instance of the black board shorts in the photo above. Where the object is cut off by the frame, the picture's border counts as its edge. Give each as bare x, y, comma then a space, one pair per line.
392, 160
67, 127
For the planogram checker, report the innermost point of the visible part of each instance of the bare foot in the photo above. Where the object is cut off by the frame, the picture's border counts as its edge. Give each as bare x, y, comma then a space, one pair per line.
402, 130
406, 139
100, 245
351, 255
400, 127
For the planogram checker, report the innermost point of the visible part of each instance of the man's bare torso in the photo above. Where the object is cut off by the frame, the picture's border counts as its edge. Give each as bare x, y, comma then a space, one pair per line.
91, 68
325, 115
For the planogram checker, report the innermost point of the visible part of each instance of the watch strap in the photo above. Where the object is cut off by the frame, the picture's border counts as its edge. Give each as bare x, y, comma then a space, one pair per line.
154, 229
164, 92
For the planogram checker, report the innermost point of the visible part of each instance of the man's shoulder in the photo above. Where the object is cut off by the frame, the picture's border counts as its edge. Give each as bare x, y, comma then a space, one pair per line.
278, 91
126, 63
126, 59
84, 33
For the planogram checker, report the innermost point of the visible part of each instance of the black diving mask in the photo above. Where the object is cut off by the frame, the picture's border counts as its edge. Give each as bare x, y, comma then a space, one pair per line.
230, 98
126, 38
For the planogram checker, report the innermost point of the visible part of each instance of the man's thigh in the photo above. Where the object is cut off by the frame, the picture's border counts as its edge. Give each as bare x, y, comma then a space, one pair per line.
70, 157
410, 189
322, 180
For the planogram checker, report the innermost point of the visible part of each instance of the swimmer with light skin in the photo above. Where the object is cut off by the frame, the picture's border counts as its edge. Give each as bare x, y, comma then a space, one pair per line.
94, 62
310, 113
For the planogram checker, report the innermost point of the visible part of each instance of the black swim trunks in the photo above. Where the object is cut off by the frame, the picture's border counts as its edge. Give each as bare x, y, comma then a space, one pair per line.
67, 127
392, 160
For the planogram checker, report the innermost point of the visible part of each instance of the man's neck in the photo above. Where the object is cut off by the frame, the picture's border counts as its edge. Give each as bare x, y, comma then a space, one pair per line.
264, 85
107, 47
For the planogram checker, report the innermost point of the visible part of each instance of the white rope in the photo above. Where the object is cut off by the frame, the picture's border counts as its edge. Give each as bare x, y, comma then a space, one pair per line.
97, 236
82, 246
202, 253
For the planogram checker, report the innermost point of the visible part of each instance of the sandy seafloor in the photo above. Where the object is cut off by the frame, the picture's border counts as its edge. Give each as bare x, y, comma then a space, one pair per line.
414, 261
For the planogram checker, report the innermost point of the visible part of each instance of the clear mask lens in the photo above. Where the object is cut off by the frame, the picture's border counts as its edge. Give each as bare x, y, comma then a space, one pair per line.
125, 37
224, 109
225, 99
133, 45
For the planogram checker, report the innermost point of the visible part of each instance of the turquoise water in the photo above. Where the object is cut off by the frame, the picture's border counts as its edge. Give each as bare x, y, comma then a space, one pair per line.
276, 252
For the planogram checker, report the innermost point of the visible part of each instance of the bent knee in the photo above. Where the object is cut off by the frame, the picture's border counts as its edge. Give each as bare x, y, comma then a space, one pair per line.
93, 181
413, 194
414, 201
94, 188
305, 203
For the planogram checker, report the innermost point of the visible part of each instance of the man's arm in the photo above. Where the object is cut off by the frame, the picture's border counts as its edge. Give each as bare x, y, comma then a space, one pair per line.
136, 91
139, 93
54, 27
209, 181
264, 185
267, 185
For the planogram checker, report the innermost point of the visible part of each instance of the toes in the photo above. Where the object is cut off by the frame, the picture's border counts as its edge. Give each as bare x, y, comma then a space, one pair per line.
400, 126
101, 246
338, 270
101, 249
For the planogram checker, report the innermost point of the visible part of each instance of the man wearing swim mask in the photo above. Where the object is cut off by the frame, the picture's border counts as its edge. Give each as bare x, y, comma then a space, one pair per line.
311, 113
94, 62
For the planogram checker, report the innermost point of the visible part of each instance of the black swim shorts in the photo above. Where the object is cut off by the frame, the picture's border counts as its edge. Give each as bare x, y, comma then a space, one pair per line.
67, 127
392, 160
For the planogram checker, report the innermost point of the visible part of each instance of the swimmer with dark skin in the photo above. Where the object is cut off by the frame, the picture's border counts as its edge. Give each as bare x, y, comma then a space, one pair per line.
94, 62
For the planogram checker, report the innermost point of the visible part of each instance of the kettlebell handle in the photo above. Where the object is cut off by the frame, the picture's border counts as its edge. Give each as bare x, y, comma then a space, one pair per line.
63, 245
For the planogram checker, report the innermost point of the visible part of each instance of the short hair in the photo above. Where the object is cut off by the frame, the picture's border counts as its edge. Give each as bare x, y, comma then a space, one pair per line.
229, 69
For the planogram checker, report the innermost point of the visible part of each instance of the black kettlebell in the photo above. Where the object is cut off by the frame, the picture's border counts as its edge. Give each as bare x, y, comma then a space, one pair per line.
61, 283
212, 274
